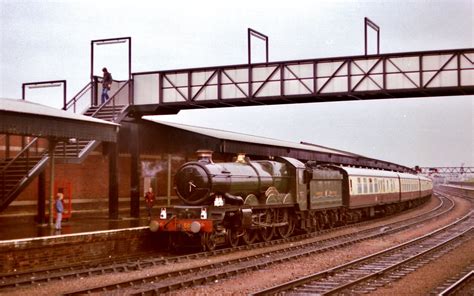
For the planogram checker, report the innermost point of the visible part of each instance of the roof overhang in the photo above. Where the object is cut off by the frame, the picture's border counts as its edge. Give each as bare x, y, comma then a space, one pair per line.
52, 123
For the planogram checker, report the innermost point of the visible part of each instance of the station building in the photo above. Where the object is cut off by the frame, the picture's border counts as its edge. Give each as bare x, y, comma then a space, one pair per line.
149, 152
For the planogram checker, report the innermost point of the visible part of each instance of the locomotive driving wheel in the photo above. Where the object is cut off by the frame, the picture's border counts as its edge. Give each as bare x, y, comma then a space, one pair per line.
283, 217
208, 241
232, 237
267, 231
249, 236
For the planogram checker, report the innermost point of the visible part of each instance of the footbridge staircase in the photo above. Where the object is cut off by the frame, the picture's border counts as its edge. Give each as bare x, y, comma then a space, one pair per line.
19, 171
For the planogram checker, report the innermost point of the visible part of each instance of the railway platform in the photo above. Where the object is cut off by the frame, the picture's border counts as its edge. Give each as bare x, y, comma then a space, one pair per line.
466, 190
28, 246
12, 228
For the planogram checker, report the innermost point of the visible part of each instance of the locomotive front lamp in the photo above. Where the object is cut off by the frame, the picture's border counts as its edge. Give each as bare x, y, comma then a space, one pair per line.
163, 213
203, 213
195, 227
154, 226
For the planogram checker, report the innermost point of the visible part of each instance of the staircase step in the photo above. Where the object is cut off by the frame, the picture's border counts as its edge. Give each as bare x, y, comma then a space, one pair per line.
69, 149
10, 178
92, 110
16, 171
21, 160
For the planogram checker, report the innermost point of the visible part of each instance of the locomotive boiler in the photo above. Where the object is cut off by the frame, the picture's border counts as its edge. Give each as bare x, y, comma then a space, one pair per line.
244, 201
240, 182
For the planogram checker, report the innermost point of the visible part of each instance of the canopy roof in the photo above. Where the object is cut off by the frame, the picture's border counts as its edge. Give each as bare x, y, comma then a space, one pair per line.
30, 119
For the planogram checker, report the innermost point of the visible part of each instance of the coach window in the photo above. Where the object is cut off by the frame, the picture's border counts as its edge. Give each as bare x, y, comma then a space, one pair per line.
365, 185
359, 186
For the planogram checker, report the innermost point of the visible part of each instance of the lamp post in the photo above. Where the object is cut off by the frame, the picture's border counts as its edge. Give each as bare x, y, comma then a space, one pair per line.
369, 23
45, 84
250, 33
108, 41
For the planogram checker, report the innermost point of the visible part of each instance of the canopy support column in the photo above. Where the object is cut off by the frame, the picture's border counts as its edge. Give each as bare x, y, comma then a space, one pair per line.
113, 181
134, 173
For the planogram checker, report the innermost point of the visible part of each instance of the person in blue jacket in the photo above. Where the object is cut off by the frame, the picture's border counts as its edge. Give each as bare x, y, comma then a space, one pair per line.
59, 210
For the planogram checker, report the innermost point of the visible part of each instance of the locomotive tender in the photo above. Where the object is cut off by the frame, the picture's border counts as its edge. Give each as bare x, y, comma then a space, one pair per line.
223, 203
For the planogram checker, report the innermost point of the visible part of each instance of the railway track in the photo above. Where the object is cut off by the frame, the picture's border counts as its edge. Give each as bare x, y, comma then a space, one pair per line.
463, 286
37, 277
366, 274
169, 281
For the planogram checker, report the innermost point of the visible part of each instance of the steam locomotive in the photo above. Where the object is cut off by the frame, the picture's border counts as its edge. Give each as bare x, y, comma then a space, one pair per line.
242, 201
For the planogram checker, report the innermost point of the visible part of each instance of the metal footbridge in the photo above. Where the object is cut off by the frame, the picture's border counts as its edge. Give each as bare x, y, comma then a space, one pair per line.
380, 76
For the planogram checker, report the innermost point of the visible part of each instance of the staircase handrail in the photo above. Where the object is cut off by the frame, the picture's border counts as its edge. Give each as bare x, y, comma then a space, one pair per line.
75, 99
27, 169
27, 147
9, 196
111, 99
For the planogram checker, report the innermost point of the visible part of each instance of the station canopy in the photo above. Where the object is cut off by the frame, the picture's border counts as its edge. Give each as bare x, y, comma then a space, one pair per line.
20, 117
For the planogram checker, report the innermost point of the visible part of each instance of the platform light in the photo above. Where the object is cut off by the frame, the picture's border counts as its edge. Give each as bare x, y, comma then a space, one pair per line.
107, 42
258, 35
45, 85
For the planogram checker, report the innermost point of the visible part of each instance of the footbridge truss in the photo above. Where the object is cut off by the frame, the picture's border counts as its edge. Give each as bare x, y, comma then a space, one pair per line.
397, 75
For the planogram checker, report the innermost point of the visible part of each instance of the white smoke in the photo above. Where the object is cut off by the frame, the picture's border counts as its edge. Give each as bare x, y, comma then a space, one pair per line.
151, 168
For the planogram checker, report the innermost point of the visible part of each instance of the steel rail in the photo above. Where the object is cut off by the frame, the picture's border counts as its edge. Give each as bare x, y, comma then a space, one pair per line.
342, 269
141, 262
398, 264
458, 285
165, 282
92, 268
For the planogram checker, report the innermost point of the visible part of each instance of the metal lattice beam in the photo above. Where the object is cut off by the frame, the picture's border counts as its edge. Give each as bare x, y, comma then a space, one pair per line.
447, 170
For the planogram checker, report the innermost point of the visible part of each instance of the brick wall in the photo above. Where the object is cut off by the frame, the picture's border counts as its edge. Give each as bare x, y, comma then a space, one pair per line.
89, 181
41, 253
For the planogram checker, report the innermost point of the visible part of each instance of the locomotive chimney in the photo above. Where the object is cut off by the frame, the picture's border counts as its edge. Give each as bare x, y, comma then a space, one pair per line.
205, 156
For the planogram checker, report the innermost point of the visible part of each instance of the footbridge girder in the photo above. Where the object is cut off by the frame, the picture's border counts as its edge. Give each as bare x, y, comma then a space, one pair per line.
397, 75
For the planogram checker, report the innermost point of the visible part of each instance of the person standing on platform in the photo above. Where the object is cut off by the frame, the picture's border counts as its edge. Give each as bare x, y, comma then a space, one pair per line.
149, 200
59, 210
106, 84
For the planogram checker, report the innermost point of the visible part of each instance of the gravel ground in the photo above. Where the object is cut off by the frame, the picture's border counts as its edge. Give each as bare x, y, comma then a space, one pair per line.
253, 281
415, 284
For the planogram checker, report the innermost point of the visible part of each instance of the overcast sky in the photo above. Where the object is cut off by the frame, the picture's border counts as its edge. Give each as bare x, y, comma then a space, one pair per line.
50, 40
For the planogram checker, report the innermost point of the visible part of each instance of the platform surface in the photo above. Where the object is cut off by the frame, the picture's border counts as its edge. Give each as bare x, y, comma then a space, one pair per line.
20, 228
